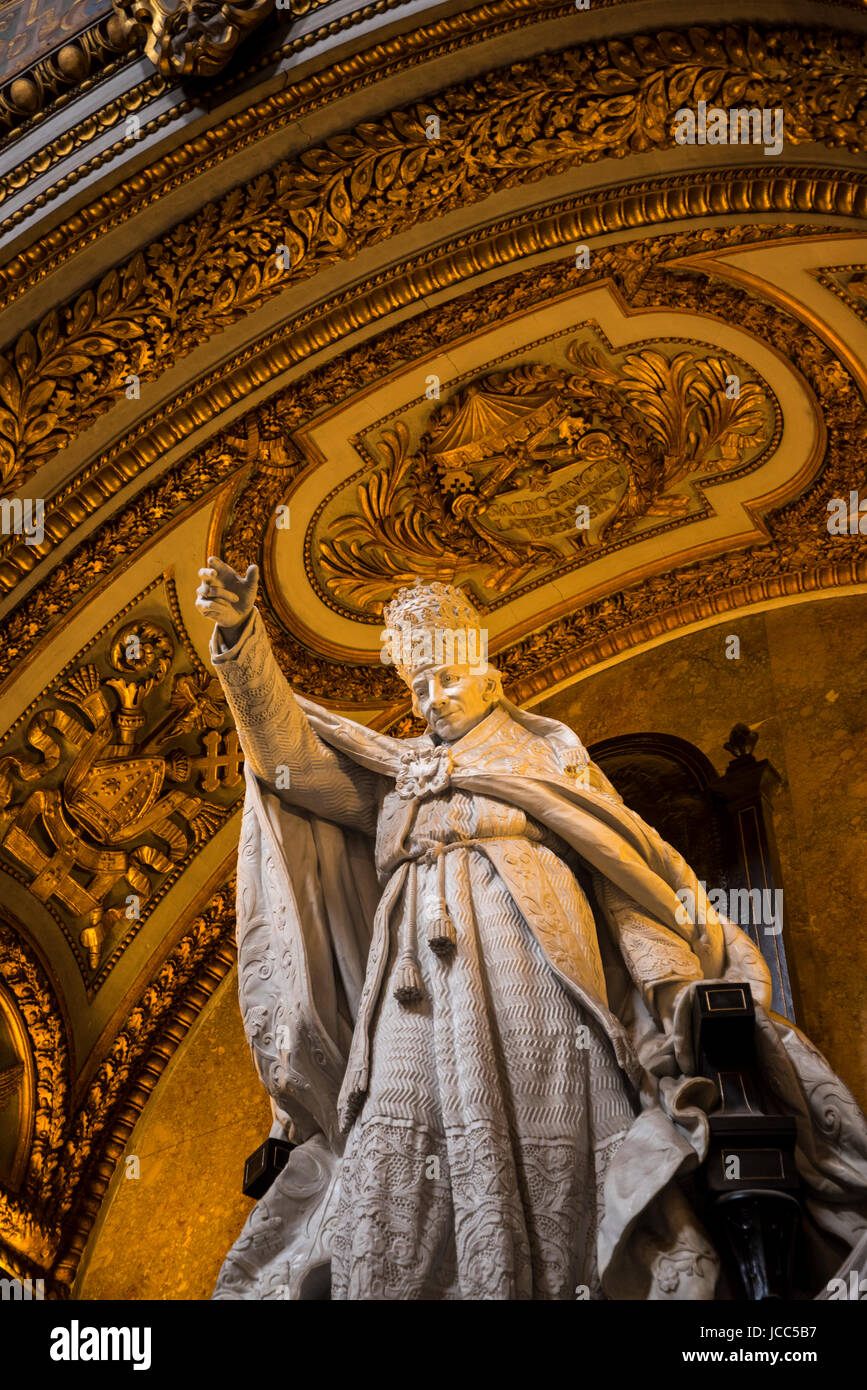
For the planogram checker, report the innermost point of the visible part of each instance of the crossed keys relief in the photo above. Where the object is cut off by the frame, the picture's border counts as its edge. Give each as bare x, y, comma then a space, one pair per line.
85, 811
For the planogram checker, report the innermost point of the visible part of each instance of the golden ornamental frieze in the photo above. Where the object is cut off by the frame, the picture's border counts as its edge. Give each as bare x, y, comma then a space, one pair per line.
243, 129
158, 177
800, 552
497, 490
504, 129
116, 39
110, 787
799, 556
501, 244
633, 266
37, 90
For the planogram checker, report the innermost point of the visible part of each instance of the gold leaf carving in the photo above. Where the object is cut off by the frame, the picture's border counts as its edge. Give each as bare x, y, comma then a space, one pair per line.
490, 495
190, 38
800, 554
638, 268
116, 785
200, 402
504, 129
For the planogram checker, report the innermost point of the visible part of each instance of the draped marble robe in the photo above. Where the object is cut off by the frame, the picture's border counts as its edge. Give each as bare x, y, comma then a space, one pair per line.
528, 1129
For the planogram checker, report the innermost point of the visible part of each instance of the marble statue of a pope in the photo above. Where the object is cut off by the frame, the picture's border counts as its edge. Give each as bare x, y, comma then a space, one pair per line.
466, 981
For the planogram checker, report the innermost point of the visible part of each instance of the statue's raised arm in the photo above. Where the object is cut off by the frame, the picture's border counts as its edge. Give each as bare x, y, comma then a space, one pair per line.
280, 747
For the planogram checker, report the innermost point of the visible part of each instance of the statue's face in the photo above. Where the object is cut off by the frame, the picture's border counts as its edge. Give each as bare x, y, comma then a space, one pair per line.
453, 699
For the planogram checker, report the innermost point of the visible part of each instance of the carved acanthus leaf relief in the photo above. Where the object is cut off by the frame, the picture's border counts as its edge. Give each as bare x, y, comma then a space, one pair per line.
501, 130
634, 267
800, 555
88, 817
201, 401
438, 38
83, 360
238, 132
190, 38
490, 494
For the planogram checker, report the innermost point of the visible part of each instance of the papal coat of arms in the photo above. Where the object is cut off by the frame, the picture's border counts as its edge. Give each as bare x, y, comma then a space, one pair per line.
121, 779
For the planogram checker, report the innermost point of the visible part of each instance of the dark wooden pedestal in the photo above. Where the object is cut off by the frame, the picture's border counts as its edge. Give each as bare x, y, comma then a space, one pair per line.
751, 1185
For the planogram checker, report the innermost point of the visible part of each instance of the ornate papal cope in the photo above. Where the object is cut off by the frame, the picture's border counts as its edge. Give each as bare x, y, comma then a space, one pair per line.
313, 936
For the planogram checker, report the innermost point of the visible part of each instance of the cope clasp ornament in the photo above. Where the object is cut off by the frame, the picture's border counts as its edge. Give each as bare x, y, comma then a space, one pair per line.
424, 771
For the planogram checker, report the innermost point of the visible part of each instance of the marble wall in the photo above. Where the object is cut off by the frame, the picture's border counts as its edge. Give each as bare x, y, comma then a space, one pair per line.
165, 1233
801, 677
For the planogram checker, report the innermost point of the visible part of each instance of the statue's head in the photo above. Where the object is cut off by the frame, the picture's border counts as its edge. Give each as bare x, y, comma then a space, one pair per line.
435, 639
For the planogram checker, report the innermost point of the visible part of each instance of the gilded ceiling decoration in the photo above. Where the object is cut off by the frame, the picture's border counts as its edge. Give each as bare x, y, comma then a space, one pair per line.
492, 492
507, 128
710, 585
633, 266
190, 38
798, 555
110, 787
244, 128
91, 54
727, 191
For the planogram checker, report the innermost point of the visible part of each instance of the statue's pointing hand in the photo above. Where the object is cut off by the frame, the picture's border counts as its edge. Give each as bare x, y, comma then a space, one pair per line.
225, 597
